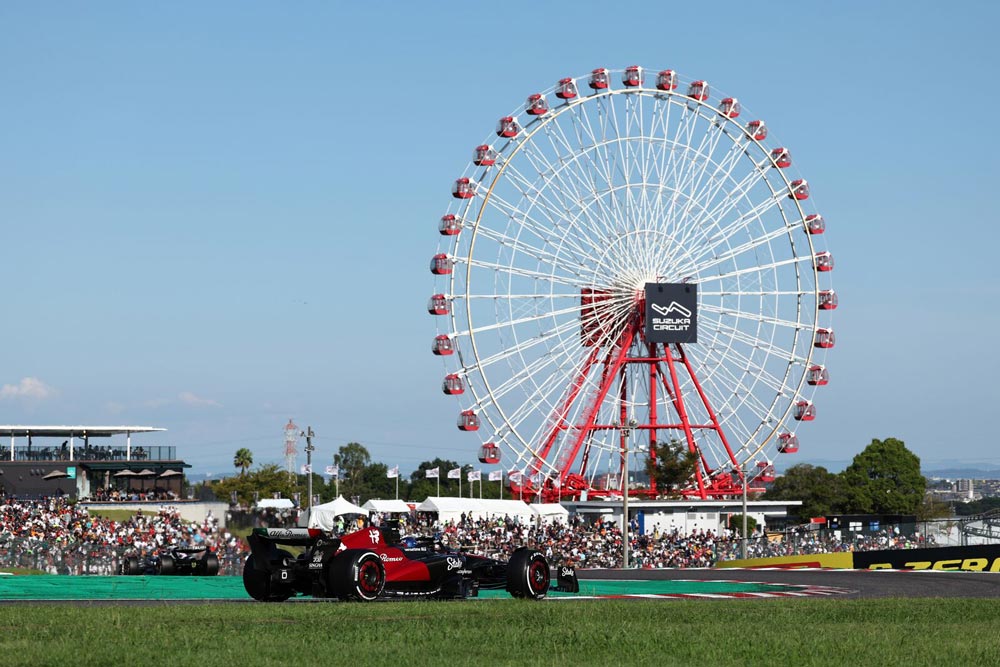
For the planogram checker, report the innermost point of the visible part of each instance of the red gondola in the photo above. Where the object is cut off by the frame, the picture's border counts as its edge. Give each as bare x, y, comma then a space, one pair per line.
698, 90
450, 225
730, 107
599, 79
765, 472
818, 376
442, 345
804, 411
823, 261
799, 189
441, 264
566, 89
824, 339
815, 224
439, 305
788, 443
632, 76
782, 158
666, 80
462, 189
757, 129
827, 300
508, 127
484, 156
489, 453
453, 385
536, 105
468, 421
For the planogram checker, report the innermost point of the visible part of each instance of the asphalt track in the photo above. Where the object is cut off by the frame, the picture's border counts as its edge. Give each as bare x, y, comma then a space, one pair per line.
856, 583
662, 584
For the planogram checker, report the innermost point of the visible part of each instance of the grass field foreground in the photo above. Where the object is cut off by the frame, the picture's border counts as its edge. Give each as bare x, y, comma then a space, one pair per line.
793, 633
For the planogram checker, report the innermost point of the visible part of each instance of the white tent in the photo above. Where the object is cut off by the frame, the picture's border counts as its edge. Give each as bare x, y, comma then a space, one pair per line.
549, 512
387, 506
451, 509
515, 509
275, 503
325, 516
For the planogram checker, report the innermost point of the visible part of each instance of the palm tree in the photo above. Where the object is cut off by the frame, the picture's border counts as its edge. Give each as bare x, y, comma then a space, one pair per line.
243, 460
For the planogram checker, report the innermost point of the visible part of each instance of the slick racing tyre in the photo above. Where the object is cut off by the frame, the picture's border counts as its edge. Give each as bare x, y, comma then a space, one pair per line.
528, 575
209, 565
165, 565
258, 582
356, 574
130, 566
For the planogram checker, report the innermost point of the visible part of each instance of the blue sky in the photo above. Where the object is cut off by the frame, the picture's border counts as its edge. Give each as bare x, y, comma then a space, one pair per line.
217, 216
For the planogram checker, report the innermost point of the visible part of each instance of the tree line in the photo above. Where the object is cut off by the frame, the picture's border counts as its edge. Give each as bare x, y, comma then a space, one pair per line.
884, 478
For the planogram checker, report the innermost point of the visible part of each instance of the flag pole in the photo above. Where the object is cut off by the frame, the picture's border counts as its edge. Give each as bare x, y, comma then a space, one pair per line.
439, 481
397, 485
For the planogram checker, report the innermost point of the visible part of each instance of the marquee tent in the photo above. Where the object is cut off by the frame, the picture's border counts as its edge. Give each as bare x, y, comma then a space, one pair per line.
325, 516
275, 503
387, 506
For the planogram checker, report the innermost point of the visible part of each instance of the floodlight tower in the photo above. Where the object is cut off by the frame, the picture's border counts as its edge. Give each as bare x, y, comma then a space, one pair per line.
291, 449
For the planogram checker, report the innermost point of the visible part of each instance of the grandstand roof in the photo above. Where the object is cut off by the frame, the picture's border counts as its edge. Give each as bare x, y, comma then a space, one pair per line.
70, 431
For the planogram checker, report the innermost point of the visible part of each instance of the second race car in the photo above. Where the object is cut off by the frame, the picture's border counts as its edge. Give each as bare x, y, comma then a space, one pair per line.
198, 561
374, 563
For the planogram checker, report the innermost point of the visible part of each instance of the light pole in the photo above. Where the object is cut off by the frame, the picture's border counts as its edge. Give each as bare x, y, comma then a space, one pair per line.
309, 468
626, 432
743, 548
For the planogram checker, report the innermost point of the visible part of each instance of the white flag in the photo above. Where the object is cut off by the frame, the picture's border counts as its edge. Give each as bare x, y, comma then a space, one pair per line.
537, 478
496, 476
306, 469
474, 476
455, 473
333, 471
393, 473
515, 476
432, 473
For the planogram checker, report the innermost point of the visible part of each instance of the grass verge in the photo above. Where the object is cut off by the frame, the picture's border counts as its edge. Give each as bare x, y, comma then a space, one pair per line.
509, 632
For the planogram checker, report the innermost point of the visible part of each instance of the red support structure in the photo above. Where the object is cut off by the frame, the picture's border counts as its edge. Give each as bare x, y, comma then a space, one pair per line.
608, 362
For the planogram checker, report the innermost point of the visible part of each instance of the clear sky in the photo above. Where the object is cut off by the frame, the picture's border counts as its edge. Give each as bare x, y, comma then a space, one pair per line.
217, 216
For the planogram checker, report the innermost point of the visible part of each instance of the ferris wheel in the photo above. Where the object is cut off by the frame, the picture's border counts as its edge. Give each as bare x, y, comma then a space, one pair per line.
627, 261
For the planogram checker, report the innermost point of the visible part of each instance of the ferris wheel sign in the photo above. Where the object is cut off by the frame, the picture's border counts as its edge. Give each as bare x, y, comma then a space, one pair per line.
671, 313
628, 247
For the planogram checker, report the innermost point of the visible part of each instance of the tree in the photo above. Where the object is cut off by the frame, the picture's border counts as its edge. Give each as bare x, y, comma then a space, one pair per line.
352, 459
265, 482
421, 487
243, 460
673, 467
884, 479
820, 491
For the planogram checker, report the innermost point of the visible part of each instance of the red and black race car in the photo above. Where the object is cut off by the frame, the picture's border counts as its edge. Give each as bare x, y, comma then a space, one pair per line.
374, 563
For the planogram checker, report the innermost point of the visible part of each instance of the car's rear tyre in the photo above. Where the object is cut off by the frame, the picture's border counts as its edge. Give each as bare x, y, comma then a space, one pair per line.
528, 574
258, 582
210, 565
165, 565
356, 574
130, 566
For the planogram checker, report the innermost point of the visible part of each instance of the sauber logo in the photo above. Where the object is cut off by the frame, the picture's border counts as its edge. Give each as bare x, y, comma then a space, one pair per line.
373, 535
674, 307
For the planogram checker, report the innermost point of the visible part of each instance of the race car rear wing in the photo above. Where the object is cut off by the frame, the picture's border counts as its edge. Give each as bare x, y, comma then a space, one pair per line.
299, 537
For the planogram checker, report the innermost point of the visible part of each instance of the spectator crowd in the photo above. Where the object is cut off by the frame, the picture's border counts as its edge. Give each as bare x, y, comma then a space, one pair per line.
58, 537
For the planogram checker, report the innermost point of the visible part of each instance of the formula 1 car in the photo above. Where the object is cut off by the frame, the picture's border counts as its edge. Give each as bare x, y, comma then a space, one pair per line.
198, 561
374, 563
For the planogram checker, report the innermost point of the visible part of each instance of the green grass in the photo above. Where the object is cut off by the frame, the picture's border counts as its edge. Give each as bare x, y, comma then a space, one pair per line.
791, 633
